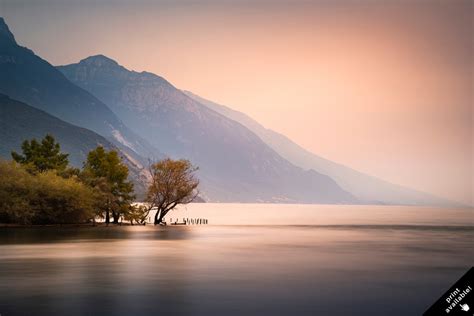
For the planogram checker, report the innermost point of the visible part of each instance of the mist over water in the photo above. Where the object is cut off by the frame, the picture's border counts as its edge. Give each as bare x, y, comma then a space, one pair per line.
310, 214
251, 260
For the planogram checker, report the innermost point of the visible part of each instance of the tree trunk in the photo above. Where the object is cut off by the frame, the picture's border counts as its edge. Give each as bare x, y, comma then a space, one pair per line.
116, 217
159, 217
107, 217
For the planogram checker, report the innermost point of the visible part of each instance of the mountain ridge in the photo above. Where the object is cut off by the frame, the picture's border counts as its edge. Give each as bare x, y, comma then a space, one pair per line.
367, 188
184, 128
235, 165
5, 31
26, 77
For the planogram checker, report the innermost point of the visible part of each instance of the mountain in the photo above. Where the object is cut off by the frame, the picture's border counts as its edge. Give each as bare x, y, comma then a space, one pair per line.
366, 188
19, 121
26, 77
235, 165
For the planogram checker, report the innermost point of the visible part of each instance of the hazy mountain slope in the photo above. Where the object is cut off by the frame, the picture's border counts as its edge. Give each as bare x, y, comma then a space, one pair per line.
235, 165
30, 79
366, 188
19, 121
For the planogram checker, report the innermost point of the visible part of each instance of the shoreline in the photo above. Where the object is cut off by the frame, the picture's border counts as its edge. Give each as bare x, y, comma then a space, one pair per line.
3, 225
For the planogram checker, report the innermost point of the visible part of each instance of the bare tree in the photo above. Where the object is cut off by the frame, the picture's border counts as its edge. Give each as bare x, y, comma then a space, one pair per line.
173, 183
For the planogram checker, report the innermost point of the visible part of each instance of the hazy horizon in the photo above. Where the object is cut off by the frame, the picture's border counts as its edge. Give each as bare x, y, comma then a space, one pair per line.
384, 88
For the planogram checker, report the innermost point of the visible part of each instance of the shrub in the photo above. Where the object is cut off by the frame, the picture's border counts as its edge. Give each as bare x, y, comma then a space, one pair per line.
45, 198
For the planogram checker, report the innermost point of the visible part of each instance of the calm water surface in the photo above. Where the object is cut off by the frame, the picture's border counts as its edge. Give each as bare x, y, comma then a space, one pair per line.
250, 260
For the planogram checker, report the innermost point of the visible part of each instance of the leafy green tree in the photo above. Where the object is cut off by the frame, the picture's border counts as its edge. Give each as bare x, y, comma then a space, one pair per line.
17, 188
44, 198
105, 171
173, 183
42, 156
60, 200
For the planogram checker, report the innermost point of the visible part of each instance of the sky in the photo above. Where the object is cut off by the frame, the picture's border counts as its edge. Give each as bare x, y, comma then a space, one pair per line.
384, 87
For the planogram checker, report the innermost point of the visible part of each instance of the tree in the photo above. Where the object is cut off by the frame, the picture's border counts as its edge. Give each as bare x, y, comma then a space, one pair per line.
108, 175
60, 200
43, 198
173, 183
42, 156
137, 214
16, 190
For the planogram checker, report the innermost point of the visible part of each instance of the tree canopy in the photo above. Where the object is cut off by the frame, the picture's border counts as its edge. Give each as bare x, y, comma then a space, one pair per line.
42, 156
105, 171
173, 183
39, 187
44, 198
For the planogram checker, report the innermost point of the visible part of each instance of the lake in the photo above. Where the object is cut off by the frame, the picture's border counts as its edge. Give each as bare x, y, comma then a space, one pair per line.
252, 259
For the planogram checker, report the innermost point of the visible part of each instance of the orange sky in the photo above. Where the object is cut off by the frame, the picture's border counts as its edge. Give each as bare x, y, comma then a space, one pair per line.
382, 86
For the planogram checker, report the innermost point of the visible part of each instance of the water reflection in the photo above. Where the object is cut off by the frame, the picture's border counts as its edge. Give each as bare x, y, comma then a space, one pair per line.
230, 270
85, 234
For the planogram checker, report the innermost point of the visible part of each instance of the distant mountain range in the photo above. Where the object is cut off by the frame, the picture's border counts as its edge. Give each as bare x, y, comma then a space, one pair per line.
97, 101
366, 188
235, 164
